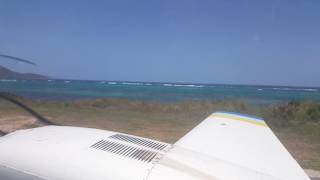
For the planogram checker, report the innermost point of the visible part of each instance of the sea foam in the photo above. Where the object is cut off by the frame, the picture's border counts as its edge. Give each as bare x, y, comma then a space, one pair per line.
184, 85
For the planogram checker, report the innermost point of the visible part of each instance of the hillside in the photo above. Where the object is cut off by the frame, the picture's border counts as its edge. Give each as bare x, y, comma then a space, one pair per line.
6, 73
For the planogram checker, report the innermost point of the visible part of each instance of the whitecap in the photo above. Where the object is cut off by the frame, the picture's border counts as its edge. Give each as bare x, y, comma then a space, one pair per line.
282, 89
187, 85
132, 83
296, 89
8, 80
167, 85
312, 90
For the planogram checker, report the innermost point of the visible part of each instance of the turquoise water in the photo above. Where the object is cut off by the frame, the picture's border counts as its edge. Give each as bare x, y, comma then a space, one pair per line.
168, 92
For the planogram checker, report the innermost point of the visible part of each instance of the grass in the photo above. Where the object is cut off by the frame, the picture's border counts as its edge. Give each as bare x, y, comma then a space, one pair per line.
297, 124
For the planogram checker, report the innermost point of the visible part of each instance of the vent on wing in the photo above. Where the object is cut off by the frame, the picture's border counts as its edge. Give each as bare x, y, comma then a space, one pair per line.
125, 150
140, 141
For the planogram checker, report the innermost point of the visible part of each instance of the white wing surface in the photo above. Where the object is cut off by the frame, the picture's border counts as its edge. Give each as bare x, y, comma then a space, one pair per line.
69, 153
241, 141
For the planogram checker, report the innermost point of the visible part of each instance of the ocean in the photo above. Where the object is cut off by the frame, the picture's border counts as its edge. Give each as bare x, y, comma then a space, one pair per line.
149, 91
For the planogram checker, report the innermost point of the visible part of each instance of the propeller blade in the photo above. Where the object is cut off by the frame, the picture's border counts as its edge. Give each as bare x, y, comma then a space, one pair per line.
2, 133
18, 59
13, 100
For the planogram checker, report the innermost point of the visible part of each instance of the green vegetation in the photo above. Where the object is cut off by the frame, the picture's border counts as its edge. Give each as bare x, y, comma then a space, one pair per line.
297, 124
301, 116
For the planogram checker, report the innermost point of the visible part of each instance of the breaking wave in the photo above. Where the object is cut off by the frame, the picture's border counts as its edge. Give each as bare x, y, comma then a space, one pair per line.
296, 89
132, 83
183, 85
8, 80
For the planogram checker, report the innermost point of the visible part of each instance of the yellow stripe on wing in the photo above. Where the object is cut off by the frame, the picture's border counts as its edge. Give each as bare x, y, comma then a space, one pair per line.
243, 119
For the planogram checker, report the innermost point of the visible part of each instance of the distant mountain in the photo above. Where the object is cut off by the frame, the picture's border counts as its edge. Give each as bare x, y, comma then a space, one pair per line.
6, 73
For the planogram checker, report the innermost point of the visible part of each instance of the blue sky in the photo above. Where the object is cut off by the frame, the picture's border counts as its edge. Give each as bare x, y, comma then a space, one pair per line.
216, 41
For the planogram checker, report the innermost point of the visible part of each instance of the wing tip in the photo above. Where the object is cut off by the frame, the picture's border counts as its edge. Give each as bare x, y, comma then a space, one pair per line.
238, 115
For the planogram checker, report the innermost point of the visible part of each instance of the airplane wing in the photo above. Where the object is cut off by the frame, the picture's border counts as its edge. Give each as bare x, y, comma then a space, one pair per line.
241, 143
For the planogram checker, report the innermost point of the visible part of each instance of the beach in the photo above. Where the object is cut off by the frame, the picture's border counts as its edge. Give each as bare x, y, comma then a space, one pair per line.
167, 111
